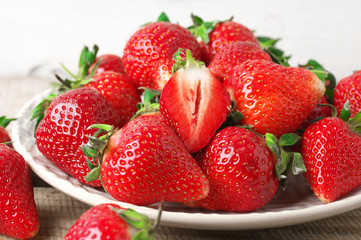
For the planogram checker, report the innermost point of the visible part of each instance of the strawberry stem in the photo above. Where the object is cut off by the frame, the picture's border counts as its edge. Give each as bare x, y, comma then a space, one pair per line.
185, 63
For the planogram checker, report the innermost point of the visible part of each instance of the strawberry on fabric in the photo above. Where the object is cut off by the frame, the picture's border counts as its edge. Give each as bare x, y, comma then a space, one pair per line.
18, 212
110, 221
217, 34
194, 103
348, 89
4, 135
273, 98
119, 90
245, 169
331, 149
145, 162
148, 54
234, 54
64, 128
108, 62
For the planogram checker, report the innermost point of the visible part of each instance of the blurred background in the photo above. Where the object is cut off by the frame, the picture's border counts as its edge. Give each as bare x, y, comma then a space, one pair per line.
36, 35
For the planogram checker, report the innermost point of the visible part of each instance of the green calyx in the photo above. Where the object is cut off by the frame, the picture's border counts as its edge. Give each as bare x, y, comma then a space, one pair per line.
353, 123
150, 103
145, 230
186, 62
324, 75
162, 18
277, 55
87, 58
95, 148
4, 122
286, 160
201, 29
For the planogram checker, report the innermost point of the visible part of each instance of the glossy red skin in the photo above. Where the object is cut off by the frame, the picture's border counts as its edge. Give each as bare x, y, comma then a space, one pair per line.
18, 213
240, 170
148, 55
195, 127
233, 54
4, 135
146, 162
273, 98
317, 113
332, 156
223, 34
348, 88
101, 223
109, 62
120, 91
64, 129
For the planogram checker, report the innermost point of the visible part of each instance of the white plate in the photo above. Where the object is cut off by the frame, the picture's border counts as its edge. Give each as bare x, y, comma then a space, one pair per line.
294, 206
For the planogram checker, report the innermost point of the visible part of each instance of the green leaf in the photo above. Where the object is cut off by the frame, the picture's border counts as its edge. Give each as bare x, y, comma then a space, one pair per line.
282, 165
298, 165
272, 143
90, 152
4, 122
103, 127
163, 18
267, 42
345, 112
288, 139
93, 174
355, 123
197, 21
321, 74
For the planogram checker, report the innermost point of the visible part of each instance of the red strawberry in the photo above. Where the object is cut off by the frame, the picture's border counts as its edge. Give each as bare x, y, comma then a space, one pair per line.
148, 55
110, 221
120, 91
215, 35
18, 213
331, 149
108, 62
234, 54
4, 135
240, 168
244, 169
273, 98
64, 128
145, 162
319, 111
194, 103
348, 89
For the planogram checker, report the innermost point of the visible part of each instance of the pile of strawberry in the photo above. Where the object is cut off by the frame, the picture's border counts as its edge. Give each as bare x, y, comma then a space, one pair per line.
222, 122
208, 116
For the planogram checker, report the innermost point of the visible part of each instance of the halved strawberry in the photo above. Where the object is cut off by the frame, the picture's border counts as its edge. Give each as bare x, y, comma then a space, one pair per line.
194, 103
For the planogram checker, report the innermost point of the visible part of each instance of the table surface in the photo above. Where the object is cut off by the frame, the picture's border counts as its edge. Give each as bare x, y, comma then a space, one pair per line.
58, 211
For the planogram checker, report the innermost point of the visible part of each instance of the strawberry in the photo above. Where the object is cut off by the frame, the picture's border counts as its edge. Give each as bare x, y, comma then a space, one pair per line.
18, 213
217, 34
148, 54
110, 221
348, 89
194, 103
145, 162
64, 128
119, 90
244, 173
321, 110
234, 54
331, 149
108, 62
4, 135
273, 98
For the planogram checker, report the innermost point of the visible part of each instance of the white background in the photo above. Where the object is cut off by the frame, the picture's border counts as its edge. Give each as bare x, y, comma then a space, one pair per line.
44, 33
